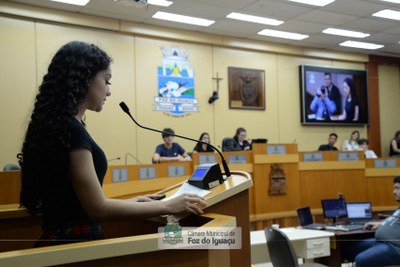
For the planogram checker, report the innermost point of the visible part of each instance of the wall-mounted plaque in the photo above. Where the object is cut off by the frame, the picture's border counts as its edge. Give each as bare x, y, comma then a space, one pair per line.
276, 150
120, 175
348, 156
313, 157
147, 173
203, 159
237, 159
385, 163
176, 171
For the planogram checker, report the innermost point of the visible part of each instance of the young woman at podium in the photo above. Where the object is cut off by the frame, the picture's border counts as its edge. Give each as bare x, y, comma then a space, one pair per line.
62, 167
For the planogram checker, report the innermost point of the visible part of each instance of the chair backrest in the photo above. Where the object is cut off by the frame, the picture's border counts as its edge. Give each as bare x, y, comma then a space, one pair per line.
281, 251
230, 144
11, 167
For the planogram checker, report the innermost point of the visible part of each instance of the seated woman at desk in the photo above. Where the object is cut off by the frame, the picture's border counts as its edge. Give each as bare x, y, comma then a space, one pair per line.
240, 138
62, 167
352, 143
200, 147
395, 146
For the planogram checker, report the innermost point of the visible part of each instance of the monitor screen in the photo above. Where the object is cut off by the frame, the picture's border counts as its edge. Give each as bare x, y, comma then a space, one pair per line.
359, 210
332, 96
334, 208
304, 216
199, 173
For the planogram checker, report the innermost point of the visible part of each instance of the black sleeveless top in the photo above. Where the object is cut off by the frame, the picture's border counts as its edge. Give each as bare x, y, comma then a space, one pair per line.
392, 152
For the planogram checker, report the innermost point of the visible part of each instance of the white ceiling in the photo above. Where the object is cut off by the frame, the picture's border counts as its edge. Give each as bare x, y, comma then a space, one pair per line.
344, 14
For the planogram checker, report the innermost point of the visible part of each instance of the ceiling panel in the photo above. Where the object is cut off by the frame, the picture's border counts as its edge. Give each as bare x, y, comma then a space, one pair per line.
355, 7
281, 10
298, 18
331, 18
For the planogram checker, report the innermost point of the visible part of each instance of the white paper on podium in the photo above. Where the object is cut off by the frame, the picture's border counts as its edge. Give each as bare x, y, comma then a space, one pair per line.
188, 189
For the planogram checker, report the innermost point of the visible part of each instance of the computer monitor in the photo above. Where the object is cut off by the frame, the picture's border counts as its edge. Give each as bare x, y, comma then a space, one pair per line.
334, 208
304, 216
359, 210
258, 141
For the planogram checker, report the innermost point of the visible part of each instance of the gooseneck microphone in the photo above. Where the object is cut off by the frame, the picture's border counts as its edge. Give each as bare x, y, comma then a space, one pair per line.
224, 164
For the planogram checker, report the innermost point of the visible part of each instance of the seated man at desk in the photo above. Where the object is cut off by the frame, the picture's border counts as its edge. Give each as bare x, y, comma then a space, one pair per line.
384, 249
331, 143
169, 151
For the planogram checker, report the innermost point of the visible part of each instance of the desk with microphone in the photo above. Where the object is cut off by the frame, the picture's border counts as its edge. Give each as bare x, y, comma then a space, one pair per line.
205, 176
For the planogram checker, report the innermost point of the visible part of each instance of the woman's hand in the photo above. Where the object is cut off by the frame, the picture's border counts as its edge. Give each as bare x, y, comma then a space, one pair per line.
147, 198
186, 203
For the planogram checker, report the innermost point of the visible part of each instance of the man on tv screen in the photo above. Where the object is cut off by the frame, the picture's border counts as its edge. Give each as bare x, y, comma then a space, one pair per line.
333, 92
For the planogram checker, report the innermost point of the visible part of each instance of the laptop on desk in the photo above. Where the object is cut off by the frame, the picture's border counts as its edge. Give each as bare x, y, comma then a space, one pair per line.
306, 220
359, 212
258, 141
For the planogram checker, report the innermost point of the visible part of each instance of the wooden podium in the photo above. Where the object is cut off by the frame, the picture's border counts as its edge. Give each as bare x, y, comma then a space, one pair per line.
136, 242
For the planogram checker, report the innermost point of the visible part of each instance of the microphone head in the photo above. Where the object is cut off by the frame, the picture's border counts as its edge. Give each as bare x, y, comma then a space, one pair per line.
124, 107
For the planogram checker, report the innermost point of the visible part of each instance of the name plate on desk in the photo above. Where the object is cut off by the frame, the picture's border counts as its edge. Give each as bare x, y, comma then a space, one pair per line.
313, 157
203, 159
147, 173
119, 175
271, 150
385, 163
348, 156
176, 171
238, 158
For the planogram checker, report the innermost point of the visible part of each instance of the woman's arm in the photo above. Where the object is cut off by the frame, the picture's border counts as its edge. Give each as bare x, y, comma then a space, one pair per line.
98, 207
356, 113
345, 145
342, 116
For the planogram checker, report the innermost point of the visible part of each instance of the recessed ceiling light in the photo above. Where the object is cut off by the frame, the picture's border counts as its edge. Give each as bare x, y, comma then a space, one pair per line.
362, 45
388, 14
160, 2
345, 33
392, 1
182, 19
281, 34
314, 2
254, 19
73, 2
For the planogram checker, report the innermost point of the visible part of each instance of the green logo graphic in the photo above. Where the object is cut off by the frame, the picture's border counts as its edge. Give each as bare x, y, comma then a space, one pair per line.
172, 234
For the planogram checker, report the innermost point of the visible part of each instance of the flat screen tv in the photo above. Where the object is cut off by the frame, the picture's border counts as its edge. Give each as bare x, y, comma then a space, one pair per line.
331, 96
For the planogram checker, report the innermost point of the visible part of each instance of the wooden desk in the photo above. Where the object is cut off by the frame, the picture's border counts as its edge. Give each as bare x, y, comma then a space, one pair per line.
380, 180
135, 241
263, 202
325, 179
162, 170
308, 244
140, 250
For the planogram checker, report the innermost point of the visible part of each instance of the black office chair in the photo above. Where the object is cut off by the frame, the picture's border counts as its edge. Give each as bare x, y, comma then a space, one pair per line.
11, 167
230, 144
281, 251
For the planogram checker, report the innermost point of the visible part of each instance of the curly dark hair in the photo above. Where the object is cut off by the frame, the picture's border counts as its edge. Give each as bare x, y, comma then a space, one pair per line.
44, 158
